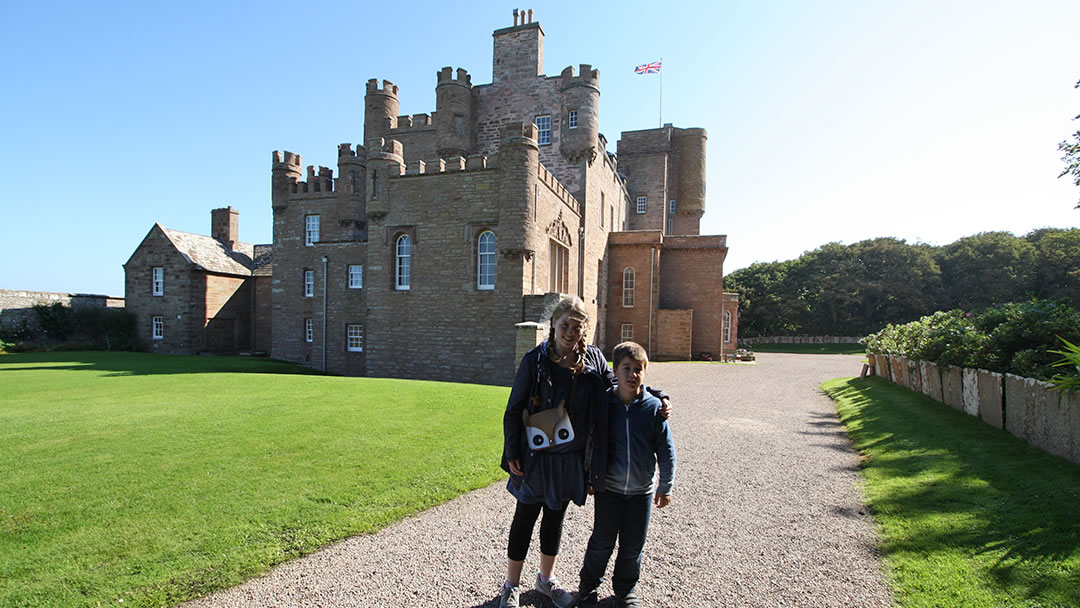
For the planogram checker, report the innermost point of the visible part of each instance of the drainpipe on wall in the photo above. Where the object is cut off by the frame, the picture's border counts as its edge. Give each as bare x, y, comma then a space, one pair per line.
324, 281
652, 269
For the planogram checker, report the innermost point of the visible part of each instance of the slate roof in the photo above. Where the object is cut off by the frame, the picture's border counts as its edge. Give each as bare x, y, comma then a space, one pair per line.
211, 254
262, 262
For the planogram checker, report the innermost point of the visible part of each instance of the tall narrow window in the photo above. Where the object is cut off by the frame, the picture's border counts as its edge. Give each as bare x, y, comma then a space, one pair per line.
158, 280
485, 261
571, 120
543, 130
311, 232
668, 224
402, 263
158, 327
603, 209
627, 331
559, 264
671, 206
356, 276
309, 283
374, 184
354, 336
727, 326
309, 331
628, 287
642, 204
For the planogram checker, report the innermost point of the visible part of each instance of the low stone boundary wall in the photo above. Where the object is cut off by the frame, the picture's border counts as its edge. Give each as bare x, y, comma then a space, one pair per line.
801, 340
17, 306
1024, 407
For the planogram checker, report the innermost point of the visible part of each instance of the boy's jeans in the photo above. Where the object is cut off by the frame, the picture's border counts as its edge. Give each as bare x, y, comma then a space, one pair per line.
625, 517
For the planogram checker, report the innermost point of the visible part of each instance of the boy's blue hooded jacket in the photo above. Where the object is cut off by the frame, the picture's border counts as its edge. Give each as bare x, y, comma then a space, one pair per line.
639, 439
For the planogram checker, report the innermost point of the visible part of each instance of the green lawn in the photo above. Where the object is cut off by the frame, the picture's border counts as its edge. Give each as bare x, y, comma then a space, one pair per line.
154, 479
967, 514
811, 349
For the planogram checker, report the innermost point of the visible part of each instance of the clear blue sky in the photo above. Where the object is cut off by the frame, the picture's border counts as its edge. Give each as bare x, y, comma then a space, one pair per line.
828, 121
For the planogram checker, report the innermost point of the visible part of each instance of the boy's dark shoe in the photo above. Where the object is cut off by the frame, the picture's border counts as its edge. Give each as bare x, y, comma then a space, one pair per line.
630, 600
587, 598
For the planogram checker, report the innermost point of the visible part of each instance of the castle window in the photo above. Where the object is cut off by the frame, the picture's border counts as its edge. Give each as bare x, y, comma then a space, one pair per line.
571, 120
668, 225
543, 130
403, 263
158, 280
628, 287
642, 204
158, 324
309, 331
354, 337
627, 332
374, 184
727, 326
671, 206
559, 262
602, 207
356, 276
309, 283
485, 261
311, 234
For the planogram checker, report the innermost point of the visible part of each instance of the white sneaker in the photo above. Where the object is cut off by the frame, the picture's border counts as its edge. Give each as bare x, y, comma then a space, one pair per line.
508, 598
554, 591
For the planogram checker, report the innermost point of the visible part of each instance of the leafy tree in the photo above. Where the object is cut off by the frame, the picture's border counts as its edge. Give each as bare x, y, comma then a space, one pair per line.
762, 308
899, 282
1071, 158
1057, 273
987, 268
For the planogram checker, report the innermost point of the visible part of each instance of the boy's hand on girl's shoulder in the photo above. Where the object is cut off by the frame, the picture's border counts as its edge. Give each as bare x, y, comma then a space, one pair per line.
665, 408
661, 500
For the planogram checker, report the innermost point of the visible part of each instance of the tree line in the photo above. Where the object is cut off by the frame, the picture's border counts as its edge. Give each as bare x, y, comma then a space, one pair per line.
844, 290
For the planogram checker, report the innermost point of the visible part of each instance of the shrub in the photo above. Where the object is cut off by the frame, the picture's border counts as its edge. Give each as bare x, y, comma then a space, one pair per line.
1069, 378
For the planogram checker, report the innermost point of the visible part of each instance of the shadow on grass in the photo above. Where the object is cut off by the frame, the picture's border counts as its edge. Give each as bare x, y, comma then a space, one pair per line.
139, 364
957, 485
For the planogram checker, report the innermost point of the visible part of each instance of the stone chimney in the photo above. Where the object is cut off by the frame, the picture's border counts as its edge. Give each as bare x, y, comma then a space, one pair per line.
225, 226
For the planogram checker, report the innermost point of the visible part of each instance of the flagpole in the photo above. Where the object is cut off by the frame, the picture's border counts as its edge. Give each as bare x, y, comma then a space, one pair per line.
661, 117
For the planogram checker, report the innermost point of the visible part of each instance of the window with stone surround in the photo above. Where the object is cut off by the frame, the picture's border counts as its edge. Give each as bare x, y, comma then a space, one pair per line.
158, 281
642, 204
668, 224
485, 261
671, 206
158, 324
309, 283
311, 231
558, 267
628, 287
543, 129
309, 331
571, 120
354, 336
627, 332
727, 326
603, 208
403, 263
356, 276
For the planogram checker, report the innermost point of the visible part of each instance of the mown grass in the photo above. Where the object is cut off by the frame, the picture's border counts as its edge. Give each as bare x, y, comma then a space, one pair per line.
811, 349
155, 479
967, 514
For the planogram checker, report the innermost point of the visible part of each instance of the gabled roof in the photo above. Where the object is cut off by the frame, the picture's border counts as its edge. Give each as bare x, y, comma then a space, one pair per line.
262, 266
211, 254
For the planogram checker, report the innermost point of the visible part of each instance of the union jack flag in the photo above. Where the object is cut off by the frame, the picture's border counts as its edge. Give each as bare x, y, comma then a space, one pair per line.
648, 68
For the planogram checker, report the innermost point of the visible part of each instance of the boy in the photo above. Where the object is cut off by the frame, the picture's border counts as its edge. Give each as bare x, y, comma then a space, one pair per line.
638, 440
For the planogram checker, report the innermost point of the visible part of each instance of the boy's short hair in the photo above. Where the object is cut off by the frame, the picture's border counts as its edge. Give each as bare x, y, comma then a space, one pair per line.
630, 350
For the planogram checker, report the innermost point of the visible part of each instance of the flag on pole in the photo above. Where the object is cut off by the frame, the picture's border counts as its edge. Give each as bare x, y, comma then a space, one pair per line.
649, 68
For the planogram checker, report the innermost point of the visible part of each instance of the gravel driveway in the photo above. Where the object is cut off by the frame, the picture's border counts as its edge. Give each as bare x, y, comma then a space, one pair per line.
766, 513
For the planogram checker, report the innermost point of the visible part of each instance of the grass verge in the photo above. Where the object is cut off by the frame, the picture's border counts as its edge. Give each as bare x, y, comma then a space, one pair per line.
811, 349
155, 479
967, 514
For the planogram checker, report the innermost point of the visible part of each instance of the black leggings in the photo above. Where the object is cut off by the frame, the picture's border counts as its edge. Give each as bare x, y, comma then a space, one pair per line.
521, 530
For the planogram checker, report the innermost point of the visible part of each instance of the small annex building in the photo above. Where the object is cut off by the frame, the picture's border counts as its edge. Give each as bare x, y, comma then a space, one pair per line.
445, 239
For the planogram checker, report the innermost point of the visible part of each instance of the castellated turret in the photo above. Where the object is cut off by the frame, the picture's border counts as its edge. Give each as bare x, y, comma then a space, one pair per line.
286, 173
690, 145
380, 109
384, 160
580, 113
453, 113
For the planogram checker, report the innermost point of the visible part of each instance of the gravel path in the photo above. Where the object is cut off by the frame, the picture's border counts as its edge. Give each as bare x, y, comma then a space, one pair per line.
766, 513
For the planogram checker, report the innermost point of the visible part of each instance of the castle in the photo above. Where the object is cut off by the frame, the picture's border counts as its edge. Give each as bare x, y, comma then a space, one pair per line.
446, 238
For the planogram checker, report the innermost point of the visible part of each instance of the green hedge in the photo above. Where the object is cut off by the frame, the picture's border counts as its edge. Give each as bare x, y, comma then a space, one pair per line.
61, 327
1022, 338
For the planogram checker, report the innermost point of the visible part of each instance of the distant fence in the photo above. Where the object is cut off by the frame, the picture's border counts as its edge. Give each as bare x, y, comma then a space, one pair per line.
801, 340
1027, 408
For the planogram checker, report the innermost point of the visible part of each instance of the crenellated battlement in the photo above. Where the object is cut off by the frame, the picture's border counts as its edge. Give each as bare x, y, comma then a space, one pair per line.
388, 88
454, 164
446, 76
288, 159
346, 151
516, 130
587, 77
557, 188
416, 122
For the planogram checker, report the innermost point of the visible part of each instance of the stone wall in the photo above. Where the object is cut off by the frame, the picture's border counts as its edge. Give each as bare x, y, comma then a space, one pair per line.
674, 335
17, 306
181, 305
1027, 408
692, 278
